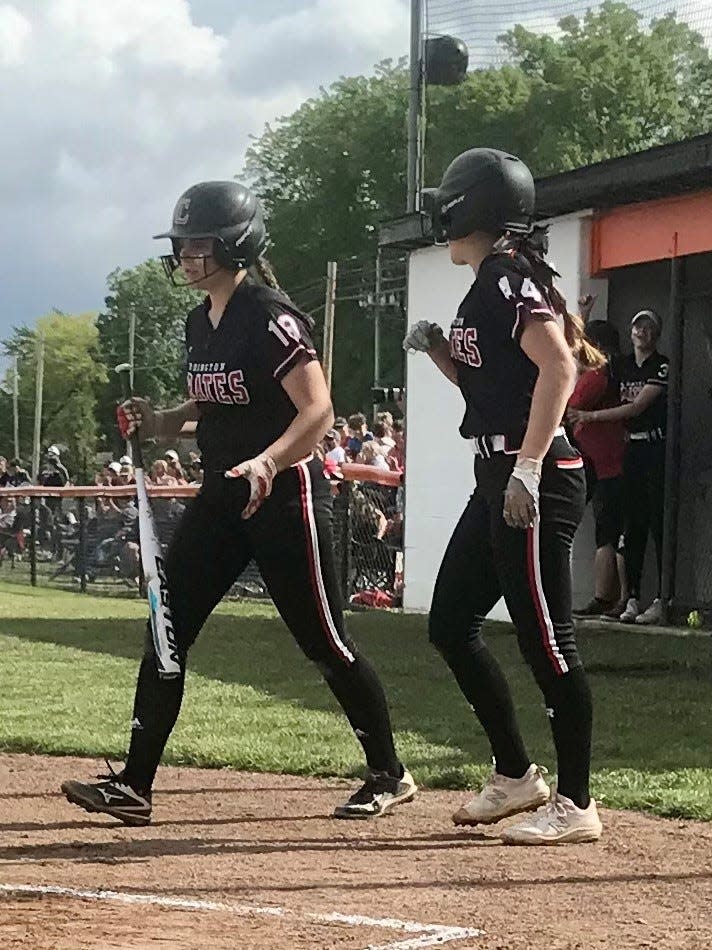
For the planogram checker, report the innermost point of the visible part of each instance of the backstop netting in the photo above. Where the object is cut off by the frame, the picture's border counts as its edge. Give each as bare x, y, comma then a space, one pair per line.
481, 23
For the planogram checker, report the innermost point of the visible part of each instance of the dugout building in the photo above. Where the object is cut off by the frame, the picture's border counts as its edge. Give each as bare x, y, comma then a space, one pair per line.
636, 231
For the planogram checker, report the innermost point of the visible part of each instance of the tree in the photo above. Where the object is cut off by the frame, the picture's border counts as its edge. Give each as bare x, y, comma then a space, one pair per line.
73, 374
160, 310
333, 170
328, 174
606, 87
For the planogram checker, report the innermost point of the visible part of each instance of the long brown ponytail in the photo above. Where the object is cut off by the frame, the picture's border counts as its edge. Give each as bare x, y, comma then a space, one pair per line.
262, 270
533, 248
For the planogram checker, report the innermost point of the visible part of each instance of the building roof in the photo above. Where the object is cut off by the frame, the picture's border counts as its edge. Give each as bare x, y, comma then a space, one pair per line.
656, 173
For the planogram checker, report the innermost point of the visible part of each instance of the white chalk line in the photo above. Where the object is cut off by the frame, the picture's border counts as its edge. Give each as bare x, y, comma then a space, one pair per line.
429, 935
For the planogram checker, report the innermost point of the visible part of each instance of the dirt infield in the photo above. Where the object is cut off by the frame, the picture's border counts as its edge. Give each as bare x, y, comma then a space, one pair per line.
253, 861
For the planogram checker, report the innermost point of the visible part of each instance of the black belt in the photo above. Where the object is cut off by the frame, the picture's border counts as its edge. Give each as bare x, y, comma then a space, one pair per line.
485, 446
653, 435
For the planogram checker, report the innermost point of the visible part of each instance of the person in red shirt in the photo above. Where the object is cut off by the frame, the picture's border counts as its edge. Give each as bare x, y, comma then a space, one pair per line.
603, 447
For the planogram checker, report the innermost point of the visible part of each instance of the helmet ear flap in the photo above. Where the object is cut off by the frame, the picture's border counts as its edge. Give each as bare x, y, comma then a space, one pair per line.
223, 256
433, 223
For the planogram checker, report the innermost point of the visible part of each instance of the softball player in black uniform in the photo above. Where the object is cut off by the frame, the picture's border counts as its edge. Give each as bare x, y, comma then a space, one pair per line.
260, 400
642, 382
512, 351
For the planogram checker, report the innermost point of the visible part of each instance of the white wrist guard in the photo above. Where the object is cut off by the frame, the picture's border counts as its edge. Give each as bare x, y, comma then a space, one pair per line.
528, 471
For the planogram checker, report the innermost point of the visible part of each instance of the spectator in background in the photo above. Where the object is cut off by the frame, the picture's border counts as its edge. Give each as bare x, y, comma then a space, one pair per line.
342, 427
333, 450
603, 446
195, 471
642, 379
174, 468
369, 522
358, 434
126, 474
160, 474
382, 435
386, 418
7, 515
372, 454
17, 474
4, 474
12, 539
53, 475
103, 476
396, 456
103, 479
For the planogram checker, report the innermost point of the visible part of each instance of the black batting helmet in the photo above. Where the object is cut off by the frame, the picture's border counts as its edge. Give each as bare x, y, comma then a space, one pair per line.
483, 189
226, 211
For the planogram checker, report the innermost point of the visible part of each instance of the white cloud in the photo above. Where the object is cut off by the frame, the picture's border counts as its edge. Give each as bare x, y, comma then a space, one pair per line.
343, 34
110, 108
15, 32
156, 34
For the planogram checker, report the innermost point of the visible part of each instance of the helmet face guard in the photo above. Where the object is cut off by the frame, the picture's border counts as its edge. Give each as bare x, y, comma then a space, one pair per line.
221, 256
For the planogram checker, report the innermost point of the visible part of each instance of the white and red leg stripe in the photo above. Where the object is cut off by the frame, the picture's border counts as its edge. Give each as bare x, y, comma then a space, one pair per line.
314, 560
536, 587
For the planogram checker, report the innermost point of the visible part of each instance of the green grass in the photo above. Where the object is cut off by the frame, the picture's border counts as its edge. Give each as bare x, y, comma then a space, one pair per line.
68, 664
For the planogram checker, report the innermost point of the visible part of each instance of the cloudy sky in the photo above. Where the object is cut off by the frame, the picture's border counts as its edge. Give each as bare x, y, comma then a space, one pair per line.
110, 108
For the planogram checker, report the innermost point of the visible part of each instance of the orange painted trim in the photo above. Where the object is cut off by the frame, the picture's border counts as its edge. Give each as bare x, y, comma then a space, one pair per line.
651, 231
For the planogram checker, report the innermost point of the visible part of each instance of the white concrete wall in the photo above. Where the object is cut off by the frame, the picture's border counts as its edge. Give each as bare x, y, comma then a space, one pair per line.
439, 469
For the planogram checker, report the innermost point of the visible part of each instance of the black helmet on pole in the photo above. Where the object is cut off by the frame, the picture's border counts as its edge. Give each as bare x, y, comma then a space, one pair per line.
226, 211
483, 189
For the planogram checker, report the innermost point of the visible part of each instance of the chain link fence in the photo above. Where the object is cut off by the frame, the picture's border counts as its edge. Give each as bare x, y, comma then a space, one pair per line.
86, 539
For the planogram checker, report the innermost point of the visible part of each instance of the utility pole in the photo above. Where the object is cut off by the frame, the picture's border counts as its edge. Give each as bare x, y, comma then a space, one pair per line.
329, 312
15, 411
377, 332
132, 356
132, 346
414, 104
39, 384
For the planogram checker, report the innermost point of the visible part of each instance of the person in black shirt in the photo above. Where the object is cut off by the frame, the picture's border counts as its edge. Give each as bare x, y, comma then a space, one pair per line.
642, 381
261, 404
17, 475
53, 475
511, 351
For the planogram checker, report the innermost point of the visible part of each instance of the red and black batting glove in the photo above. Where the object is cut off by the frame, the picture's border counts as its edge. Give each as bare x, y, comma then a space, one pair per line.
259, 472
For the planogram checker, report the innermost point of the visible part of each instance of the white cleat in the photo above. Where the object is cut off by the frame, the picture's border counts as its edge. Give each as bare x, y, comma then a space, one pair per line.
653, 615
632, 610
557, 822
502, 796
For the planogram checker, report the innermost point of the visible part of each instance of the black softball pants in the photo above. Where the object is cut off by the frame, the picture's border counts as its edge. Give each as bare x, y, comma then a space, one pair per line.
290, 537
644, 503
485, 560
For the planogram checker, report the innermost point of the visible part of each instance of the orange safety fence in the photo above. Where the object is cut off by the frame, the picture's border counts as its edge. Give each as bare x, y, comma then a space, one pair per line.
352, 472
